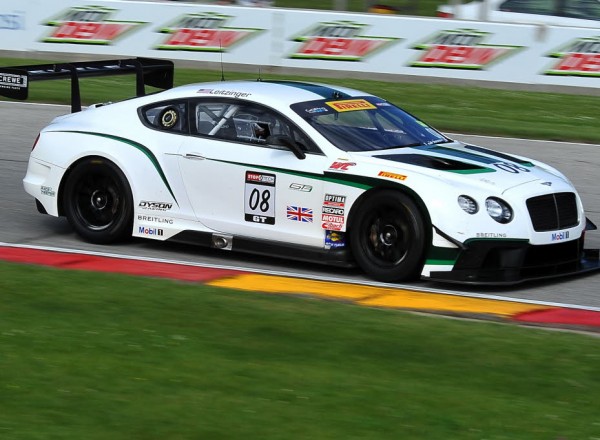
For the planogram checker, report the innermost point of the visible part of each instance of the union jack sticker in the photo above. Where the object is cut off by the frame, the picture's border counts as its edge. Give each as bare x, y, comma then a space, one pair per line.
299, 214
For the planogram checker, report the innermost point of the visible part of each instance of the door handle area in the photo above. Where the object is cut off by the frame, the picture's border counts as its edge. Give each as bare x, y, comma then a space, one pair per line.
194, 156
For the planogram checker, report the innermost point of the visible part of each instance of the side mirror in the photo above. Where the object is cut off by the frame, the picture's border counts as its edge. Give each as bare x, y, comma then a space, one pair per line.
289, 143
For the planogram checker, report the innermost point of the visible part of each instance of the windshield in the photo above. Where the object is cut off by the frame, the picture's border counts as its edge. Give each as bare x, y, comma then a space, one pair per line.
366, 124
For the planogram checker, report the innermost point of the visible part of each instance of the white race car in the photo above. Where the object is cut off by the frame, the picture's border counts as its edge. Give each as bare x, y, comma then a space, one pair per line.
306, 171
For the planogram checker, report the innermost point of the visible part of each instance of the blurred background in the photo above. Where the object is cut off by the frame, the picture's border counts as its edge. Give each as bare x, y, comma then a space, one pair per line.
584, 13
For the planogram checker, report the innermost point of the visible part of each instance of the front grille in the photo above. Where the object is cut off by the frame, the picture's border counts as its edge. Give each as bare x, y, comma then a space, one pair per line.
553, 212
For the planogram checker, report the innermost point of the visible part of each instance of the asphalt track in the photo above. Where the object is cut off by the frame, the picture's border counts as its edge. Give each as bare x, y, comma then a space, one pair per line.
22, 225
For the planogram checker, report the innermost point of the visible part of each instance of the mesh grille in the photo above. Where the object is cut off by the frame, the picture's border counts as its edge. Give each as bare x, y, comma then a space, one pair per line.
553, 212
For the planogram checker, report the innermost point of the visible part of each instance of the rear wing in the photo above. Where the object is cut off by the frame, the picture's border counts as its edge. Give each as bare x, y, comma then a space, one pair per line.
14, 81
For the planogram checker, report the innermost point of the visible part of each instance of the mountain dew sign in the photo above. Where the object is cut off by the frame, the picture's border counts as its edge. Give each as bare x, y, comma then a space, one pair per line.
89, 25
340, 41
205, 32
580, 57
281, 40
461, 49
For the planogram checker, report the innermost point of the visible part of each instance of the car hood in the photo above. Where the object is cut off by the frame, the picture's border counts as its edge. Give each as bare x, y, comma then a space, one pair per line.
456, 161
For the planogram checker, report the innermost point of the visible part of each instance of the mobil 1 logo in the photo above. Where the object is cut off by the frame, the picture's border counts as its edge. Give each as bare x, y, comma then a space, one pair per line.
259, 198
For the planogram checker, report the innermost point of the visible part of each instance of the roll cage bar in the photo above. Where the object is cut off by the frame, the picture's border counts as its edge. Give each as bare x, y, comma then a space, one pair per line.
14, 81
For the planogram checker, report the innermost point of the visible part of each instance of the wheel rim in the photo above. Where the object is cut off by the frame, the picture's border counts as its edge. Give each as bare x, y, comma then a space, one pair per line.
387, 239
96, 199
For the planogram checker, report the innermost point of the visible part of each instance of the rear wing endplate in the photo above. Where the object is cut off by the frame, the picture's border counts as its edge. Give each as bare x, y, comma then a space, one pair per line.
14, 81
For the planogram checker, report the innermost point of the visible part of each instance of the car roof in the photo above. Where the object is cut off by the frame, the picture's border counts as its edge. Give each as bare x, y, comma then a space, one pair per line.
267, 92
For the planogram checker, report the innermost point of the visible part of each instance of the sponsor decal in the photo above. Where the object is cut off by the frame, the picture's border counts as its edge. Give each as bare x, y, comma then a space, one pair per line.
461, 49
316, 110
224, 93
511, 167
301, 187
332, 218
334, 240
47, 191
299, 214
263, 179
332, 222
155, 206
204, 32
349, 105
332, 210
16, 83
334, 200
148, 218
332, 226
88, 25
558, 236
490, 235
150, 231
338, 40
259, 198
169, 118
341, 166
13, 81
579, 57
12, 21
392, 175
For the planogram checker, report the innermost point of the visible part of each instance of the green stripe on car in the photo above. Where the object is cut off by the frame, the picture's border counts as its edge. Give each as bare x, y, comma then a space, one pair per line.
142, 148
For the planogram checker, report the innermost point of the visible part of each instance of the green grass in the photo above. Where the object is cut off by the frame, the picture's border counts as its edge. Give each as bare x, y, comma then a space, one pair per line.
463, 109
97, 356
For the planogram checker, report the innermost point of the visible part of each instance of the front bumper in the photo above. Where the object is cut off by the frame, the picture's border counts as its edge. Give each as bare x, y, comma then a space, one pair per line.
507, 262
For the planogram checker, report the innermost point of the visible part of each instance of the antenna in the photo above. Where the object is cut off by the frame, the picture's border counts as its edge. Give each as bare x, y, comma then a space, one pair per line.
259, 77
221, 52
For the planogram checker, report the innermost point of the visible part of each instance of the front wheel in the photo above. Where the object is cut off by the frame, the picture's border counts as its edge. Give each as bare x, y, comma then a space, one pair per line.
388, 237
97, 201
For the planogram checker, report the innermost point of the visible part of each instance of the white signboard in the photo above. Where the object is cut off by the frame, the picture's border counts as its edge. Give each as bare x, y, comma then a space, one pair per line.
340, 42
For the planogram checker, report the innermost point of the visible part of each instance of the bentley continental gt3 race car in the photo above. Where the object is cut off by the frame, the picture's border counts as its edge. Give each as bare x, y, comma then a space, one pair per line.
306, 171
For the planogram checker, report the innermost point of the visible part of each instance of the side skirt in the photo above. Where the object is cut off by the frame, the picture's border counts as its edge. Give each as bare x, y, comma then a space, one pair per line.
333, 257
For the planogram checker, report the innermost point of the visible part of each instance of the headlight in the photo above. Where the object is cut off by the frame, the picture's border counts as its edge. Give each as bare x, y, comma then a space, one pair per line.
468, 204
499, 210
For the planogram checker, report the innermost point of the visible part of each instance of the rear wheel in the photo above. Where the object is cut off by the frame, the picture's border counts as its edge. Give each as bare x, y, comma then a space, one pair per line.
388, 237
97, 201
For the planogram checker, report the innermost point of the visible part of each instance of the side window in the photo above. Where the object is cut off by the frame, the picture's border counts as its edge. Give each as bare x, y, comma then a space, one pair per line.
304, 142
247, 123
166, 116
214, 119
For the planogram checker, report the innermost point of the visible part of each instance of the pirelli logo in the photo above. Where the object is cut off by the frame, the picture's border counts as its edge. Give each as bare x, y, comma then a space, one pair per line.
349, 105
392, 175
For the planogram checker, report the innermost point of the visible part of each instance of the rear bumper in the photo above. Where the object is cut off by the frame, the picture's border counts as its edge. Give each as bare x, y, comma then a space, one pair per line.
42, 182
508, 262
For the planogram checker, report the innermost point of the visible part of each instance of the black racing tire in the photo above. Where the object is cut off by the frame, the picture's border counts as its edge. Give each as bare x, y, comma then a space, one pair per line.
388, 237
97, 201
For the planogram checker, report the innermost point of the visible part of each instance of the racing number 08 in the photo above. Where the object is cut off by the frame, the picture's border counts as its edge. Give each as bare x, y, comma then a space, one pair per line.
259, 198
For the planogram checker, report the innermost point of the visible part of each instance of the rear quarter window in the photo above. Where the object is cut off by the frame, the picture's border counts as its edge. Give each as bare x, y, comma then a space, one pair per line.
166, 116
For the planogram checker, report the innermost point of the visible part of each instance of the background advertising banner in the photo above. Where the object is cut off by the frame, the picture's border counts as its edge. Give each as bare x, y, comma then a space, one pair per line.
272, 38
